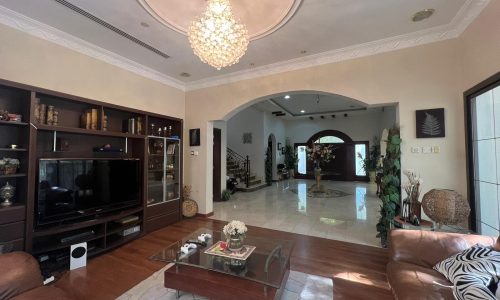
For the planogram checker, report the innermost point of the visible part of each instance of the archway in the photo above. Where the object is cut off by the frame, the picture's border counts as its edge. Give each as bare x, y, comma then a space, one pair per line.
339, 135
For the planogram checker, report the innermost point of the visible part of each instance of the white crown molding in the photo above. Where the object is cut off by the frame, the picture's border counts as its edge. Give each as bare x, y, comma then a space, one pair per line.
467, 13
23, 23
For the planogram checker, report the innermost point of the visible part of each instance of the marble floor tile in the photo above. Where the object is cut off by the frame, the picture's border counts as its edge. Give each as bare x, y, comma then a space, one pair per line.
350, 218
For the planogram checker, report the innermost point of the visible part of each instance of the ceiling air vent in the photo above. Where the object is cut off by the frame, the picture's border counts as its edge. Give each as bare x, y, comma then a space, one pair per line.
111, 27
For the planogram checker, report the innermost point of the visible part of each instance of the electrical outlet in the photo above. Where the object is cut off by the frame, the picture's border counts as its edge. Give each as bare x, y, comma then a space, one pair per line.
415, 150
436, 149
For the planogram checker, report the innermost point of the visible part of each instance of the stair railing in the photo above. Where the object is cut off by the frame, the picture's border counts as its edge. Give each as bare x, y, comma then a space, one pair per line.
242, 163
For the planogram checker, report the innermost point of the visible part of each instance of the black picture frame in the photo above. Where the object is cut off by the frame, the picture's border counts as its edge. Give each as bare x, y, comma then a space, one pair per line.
430, 123
194, 137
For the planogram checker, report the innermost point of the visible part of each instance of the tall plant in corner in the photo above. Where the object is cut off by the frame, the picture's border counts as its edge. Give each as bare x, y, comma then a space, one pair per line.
269, 166
390, 185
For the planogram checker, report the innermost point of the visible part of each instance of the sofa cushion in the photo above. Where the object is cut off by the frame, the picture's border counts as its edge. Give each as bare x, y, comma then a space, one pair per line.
474, 272
19, 272
427, 248
413, 282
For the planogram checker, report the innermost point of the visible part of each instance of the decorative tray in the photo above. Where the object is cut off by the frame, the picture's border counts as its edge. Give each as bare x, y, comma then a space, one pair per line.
219, 250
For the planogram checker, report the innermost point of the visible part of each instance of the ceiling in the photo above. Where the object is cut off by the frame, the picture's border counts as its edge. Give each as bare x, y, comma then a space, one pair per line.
302, 105
317, 28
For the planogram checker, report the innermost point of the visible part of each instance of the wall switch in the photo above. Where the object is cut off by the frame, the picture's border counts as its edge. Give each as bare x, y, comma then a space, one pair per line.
436, 149
415, 150
196, 153
192, 152
427, 149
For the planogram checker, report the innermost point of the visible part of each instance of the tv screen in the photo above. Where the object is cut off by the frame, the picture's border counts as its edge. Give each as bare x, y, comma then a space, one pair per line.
73, 188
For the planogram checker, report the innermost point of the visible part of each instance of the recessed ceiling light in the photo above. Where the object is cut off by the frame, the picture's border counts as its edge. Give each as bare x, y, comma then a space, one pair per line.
302, 111
184, 74
303, 52
144, 24
423, 14
287, 97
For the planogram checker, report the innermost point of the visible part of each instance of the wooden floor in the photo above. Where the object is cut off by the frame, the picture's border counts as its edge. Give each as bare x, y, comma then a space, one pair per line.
358, 271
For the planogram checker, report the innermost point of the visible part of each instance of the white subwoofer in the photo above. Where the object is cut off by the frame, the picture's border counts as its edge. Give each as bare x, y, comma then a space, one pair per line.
78, 256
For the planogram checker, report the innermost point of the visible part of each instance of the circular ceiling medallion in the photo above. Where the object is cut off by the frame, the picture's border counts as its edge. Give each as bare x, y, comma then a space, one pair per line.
261, 17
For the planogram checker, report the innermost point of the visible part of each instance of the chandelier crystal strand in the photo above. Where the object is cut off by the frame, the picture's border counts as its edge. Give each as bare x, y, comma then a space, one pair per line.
216, 37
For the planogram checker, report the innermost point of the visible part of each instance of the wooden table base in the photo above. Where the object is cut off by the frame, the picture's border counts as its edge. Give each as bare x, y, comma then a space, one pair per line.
219, 286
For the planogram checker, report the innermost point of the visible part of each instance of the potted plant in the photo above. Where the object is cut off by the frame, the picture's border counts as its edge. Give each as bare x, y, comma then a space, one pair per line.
9, 165
226, 195
371, 163
390, 185
291, 160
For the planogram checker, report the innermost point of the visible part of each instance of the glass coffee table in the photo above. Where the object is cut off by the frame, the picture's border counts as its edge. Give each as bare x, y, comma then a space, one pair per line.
261, 276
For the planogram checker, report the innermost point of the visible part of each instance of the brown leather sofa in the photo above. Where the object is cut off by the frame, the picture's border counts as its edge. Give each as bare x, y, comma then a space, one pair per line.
20, 279
413, 253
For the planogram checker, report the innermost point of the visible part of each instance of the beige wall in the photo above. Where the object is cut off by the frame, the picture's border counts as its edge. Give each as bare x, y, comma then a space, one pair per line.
429, 76
30, 60
480, 46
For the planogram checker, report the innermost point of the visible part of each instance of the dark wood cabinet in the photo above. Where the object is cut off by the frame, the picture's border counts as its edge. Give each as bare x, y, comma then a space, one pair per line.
72, 137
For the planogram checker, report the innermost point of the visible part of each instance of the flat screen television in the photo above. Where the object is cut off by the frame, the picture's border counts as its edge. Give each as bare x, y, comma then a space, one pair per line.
70, 189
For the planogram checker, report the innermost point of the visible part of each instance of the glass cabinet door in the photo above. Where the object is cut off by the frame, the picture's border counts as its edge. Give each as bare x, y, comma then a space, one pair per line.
156, 170
163, 170
172, 169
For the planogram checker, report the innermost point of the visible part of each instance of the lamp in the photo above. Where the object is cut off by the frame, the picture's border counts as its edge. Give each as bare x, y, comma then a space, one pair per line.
216, 37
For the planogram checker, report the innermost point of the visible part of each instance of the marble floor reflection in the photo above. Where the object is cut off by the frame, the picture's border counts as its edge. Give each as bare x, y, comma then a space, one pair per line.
350, 218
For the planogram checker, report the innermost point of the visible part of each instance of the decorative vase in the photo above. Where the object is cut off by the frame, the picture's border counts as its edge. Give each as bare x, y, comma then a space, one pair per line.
6, 194
9, 170
372, 175
317, 175
235, 243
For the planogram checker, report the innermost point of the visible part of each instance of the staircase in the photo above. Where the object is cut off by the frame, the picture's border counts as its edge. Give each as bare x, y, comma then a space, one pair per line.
239, 167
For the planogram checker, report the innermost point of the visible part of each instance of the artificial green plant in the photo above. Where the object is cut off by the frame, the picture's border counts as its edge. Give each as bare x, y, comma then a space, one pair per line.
390, 185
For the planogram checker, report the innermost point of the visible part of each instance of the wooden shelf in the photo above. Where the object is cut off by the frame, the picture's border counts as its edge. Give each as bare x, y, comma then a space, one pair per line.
17, 175
69, 227
13, 150
115, 240
51, 246
11, 123
88, 131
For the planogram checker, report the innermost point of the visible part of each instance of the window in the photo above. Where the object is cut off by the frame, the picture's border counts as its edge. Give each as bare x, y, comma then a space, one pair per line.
302, 156
360, 153
329, 139
483, 110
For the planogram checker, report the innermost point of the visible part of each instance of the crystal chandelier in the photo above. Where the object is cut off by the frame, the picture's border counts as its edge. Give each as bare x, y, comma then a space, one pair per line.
216, 37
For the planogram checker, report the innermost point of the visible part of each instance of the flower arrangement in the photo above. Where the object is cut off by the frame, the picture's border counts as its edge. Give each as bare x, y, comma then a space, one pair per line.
412, 186
235, 229
320, 154
9, 165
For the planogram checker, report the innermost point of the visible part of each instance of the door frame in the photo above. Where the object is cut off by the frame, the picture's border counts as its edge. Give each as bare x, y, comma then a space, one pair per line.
217, 169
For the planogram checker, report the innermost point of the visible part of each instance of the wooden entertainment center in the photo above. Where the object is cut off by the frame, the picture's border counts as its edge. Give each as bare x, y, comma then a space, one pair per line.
35, 140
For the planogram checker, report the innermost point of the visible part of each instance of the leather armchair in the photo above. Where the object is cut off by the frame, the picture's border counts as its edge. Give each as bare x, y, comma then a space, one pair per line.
413, 253
20, 279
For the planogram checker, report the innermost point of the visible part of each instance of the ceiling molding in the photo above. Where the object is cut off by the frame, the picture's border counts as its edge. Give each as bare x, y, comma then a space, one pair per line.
467, 13
22, 23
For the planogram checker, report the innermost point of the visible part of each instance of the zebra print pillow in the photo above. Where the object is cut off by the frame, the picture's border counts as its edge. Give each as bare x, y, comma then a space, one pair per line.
474, 273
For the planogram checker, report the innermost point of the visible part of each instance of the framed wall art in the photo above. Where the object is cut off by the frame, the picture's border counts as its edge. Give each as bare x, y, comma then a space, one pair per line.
194, 137
247, 138
430, 123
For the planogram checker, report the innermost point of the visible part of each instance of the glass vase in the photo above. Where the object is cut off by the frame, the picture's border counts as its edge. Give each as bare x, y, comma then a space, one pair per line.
235, 243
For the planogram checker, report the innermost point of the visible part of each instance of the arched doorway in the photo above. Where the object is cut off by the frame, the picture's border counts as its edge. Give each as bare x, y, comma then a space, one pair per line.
347, 165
